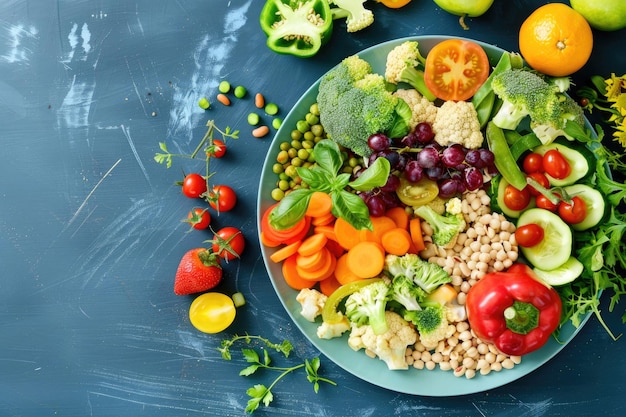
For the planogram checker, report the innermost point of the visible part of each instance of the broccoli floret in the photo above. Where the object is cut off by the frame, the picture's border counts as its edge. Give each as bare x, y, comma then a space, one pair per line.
356, 15
426, 275
367, 306
523, 93
446, 227
354, 104
432, 324
405, 64
406, 292
547, 130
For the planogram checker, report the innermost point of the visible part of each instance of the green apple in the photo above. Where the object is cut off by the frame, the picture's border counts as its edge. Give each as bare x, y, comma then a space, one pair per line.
471, 8
602, 14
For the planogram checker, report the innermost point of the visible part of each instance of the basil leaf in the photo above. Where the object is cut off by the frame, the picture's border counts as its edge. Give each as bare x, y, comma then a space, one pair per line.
316, 179
328, 156
352, 209
375, 175
340, 182
291, 209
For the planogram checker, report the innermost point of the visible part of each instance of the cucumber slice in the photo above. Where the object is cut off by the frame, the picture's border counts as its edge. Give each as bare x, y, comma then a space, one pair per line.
577, 161
566, 273
596, 206
556, 247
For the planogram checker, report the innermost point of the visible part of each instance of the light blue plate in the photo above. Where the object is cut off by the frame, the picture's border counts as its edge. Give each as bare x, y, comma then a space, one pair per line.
418, 382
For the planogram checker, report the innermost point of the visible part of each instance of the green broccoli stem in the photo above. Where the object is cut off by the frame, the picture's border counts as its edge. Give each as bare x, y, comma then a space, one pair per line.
377, 319
415, 78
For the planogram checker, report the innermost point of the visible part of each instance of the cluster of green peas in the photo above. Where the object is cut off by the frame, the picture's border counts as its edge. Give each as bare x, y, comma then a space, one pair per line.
298, 152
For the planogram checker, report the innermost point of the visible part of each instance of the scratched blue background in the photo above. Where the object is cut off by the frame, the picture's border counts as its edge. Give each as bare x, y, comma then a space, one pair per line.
90, 230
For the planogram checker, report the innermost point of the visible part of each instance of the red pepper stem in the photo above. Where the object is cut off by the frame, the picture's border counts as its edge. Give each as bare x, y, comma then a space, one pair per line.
521, 317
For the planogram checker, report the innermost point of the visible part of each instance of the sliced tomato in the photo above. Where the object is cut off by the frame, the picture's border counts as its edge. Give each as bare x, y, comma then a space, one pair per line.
455, 69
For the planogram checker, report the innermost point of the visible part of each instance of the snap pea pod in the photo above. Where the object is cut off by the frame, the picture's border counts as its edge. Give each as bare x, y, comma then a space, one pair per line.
504, 160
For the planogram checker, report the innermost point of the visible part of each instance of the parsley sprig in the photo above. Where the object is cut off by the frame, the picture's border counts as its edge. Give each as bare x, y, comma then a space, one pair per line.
260, 393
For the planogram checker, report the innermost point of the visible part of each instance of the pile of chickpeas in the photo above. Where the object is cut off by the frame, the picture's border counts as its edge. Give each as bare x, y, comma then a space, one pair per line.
487, 245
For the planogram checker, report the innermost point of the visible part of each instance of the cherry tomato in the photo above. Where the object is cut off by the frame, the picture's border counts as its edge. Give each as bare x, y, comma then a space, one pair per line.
212, 312
541, 179
229, 243
573, 212
194, 185
516, 199
533, 162
529, 235
455, 69
542, 202
555, 164
418, 193
217, 150
222, 198
199, 218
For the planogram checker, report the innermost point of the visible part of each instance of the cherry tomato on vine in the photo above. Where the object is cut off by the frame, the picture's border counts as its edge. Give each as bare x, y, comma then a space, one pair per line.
199, 218
533, 162
574, 211
541, 179
543, 202
529, 235
217, 150
516, 199
455, 69
194, 185
228, 243
555, 164
222, 198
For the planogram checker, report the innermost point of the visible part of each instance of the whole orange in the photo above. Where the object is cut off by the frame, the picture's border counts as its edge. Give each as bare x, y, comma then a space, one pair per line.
556, 40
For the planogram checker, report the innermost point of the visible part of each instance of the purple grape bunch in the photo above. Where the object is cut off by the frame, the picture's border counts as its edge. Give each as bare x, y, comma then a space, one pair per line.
456, 169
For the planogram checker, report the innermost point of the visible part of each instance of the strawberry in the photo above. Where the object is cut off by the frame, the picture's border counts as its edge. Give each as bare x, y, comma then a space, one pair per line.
199, 270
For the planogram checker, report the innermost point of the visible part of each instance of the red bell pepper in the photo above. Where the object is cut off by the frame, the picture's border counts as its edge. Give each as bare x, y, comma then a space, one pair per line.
513, 310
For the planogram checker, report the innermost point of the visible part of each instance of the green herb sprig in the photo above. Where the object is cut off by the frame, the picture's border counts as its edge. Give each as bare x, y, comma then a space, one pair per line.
260, 393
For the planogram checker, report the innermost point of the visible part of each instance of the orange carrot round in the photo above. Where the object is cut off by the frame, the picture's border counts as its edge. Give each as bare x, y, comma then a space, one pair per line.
380, 225
323, 272
285, 252
312, 244
292, 278
343, 273
311, 262
323, 220
286, 236
366, 259
415, 228
320, 204
347, 235
397, 241
399, 216
329, 285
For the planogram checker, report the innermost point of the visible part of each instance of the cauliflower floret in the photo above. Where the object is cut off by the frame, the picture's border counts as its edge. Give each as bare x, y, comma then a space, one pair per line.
422, 109
390, 346
457, 122
455, 313
312, 302
454, 206
330, 331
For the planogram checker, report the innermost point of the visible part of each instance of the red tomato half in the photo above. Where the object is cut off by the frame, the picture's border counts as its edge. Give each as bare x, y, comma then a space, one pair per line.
455, 69
229, 243
573, 212
556, 165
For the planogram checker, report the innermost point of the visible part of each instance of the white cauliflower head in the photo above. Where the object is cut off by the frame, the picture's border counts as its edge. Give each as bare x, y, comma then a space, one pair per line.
457, 122
312, 302
422, 109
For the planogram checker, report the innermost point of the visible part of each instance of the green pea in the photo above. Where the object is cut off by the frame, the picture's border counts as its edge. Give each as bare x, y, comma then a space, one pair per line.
283, 176
284, 146
296, 144
296, 162
308, 144
277, 122
224, 87
283, 156
240, 91
309, 135
303, 154
204, 103
314, 109
296, 134
302, 126
278, 194
253, 119
271, 109
283, 185
317, 129
290, 171
312, 119
292, 153
277, 168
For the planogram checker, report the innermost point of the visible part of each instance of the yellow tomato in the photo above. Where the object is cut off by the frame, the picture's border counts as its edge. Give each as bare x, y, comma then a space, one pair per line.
212, 312
417, 193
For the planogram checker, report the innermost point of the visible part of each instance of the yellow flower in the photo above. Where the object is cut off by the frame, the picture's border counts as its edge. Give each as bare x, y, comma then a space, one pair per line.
614, 86
620, 133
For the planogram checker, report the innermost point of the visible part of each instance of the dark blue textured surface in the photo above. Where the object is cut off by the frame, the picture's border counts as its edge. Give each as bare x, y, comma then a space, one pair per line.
90, 231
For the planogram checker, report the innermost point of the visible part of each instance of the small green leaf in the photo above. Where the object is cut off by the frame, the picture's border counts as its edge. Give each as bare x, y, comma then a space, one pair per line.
291, 209
266, 358
328, 156
249, 370
352, 208
375, 175
163, 146
250, 355
316, 179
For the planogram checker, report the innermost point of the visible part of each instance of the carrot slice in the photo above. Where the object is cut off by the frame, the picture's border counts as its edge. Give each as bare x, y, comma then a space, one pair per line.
327, 229
329, 285
397, 241
285, 252
320, 204
312, 244
347, 235
311, 262
343, 273
399, 216
415, 228
335, 248
322, 272
323, 220
366, 259
269, 242
380, 224
292, 278
286, 236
